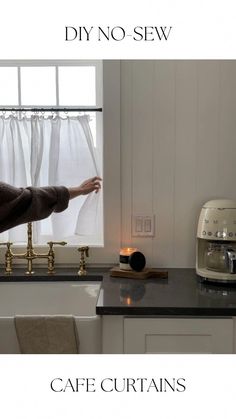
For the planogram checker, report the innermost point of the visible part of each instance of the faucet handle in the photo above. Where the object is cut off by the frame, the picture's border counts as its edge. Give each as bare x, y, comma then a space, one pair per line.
8, 257
51, 255
8, 244
84, 249
51, 243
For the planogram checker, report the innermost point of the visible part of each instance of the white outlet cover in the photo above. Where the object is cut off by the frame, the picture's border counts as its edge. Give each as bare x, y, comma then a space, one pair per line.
143, 225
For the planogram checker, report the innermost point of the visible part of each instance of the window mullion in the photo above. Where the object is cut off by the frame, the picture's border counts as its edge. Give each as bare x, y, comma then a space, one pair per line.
57, 85
19, 85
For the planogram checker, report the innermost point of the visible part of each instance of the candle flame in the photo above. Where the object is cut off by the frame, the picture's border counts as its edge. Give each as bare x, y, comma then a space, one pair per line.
128, 301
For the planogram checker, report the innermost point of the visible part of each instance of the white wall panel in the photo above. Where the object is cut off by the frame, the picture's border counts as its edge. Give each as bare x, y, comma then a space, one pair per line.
142, 147
185, 161
227, 126
126, 147
164, 161
207, 152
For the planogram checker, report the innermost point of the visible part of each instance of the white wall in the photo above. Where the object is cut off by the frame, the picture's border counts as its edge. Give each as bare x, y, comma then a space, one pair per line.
178, 150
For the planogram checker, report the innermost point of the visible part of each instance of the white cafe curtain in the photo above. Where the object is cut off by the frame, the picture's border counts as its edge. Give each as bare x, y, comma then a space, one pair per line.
38, 151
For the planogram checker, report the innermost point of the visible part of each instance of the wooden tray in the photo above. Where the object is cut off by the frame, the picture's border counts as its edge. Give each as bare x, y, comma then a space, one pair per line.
144, 274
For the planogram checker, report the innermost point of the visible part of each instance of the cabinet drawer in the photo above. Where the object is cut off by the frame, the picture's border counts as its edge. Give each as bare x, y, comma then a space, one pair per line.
153, 335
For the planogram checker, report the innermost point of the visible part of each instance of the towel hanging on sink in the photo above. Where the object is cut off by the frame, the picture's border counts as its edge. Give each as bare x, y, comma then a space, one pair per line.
47, 334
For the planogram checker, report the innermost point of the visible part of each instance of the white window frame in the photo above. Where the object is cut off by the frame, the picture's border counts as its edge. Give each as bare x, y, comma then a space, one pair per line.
56, 63
108, 255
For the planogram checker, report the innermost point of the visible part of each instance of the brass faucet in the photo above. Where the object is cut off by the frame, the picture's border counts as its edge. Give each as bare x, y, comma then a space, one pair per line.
84, 250
30, 254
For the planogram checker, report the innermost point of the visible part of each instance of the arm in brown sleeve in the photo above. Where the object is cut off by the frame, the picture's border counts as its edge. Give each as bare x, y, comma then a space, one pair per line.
22, 205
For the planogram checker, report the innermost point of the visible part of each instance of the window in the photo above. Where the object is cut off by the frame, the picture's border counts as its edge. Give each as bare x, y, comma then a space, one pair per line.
50, 84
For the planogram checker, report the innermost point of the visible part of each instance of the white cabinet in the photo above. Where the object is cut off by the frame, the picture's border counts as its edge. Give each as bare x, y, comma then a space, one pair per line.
205, 336
135, 335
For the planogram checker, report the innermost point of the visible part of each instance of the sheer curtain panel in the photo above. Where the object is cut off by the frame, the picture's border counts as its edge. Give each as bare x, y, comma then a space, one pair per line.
38, 151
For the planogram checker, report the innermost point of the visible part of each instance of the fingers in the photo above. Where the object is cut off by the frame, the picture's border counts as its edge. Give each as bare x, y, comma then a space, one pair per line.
97, 186
90, 185
96, 183
93, 179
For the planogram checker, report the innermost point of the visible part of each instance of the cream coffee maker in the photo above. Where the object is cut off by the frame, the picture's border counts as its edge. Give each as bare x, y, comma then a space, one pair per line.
216, 241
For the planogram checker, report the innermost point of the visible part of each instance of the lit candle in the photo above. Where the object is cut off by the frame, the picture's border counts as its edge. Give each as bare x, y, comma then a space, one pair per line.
125, 253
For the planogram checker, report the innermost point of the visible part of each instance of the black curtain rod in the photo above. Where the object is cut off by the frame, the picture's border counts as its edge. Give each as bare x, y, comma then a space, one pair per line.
56, 109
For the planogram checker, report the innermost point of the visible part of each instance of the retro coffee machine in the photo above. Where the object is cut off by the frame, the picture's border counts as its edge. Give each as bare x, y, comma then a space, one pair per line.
216, 241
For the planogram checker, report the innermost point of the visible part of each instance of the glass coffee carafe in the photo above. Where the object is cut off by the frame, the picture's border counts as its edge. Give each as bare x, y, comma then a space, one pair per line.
217, 258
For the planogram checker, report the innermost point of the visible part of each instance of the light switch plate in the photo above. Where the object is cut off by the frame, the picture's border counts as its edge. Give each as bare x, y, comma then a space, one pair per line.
143, 225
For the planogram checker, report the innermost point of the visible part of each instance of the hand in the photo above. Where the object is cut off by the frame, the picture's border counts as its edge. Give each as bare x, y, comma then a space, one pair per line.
88, 186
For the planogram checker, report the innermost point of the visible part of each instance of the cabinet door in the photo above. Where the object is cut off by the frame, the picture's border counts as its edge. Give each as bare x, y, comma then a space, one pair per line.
173, 336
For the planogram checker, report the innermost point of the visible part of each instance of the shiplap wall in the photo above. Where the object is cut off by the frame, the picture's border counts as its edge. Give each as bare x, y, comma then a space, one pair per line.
178, 150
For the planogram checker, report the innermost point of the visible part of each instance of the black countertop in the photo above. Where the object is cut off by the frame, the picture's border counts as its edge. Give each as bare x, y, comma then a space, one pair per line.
182, 294
41, 275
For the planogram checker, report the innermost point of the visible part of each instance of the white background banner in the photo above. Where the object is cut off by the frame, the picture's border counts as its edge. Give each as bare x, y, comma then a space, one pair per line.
27, 381
128, 29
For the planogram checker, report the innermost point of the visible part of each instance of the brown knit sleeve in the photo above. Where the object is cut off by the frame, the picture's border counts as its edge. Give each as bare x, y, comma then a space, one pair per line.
21, 205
